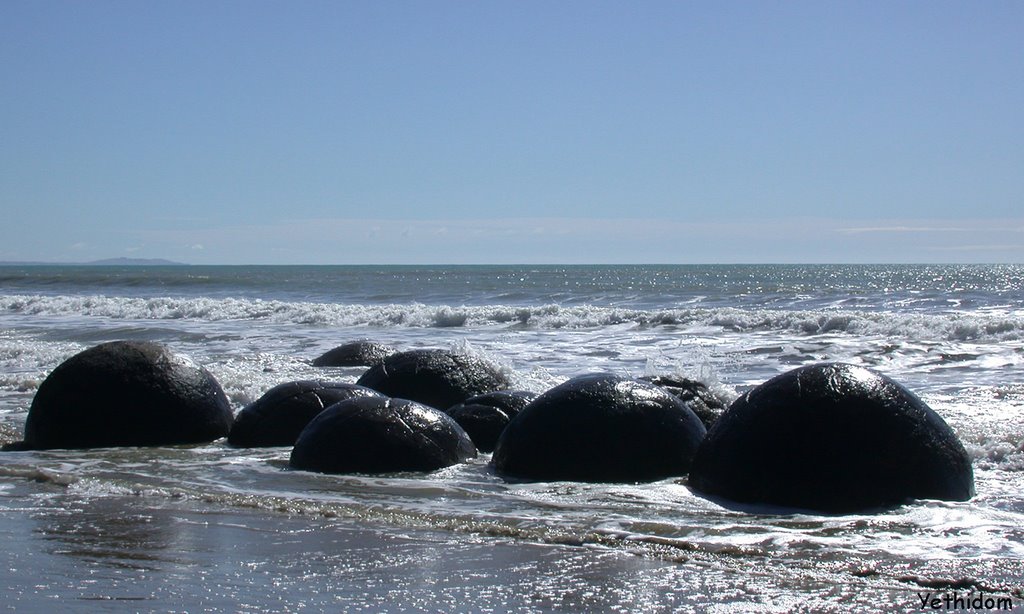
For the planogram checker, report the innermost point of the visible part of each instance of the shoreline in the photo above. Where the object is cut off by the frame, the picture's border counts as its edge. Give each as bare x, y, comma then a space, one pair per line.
115, 551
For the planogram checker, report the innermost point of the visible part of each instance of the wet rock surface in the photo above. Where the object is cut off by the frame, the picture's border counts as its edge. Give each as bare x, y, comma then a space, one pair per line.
694, 394
600, 428
832, 437
277, 417
485, 416
435, 377
126, 393
361, 353
380, 435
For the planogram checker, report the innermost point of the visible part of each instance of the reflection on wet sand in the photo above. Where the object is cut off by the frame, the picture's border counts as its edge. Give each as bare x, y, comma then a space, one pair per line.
104, 531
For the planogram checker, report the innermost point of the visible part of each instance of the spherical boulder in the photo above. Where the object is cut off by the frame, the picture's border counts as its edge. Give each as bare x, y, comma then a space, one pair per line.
835, 438
127, 393
380, 435
600, 428
438, 378
485, 416
355, 354
277, 417
694, 394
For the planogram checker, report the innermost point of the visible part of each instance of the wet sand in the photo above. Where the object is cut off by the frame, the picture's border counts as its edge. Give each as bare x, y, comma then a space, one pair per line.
123, 554
133, 553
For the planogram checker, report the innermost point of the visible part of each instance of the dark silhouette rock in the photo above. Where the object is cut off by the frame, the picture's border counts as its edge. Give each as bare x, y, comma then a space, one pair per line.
380, 435
834, 438
694, 394
438, 378
277, 417
127, 393
485, 416
600, 428
355, 354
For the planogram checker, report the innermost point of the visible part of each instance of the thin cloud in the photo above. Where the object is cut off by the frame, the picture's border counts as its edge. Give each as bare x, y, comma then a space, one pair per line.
906, 229
980, 248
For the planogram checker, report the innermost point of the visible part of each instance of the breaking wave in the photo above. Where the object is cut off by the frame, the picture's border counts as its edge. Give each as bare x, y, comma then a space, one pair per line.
955, 326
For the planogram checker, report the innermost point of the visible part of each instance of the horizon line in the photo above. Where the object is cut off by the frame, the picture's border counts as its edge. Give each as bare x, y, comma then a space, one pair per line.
161, 262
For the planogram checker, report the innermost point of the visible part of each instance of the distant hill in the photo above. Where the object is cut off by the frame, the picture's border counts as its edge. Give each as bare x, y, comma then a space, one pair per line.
103, 262
132, 262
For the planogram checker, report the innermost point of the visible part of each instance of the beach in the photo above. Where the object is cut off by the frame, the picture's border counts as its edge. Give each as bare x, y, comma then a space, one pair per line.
215, 528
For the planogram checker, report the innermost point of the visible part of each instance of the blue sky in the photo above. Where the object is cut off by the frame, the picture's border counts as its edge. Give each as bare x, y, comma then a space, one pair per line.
527, 131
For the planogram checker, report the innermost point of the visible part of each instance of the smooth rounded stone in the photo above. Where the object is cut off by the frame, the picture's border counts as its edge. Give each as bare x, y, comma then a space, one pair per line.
277, 417
696, 395
600, 428
127, 393
834, 438
380, 435
434, 377
485, 416
355, 354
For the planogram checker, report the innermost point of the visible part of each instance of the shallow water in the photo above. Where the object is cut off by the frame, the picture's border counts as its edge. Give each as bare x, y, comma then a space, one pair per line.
226, 529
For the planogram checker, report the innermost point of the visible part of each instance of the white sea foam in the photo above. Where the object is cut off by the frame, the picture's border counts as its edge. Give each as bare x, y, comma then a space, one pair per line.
953, 326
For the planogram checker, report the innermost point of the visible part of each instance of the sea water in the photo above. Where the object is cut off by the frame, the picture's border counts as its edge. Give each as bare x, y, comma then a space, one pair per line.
216, 528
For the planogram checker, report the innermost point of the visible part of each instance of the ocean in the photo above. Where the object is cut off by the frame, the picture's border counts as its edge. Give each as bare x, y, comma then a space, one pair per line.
212, 528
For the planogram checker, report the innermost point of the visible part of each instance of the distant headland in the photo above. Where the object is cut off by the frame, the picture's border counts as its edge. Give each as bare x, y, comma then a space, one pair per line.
103, 262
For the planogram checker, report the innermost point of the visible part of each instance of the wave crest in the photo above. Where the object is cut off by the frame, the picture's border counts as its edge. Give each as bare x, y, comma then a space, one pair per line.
959, 326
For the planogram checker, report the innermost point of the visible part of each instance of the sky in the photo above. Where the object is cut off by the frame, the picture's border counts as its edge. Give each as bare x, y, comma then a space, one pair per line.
526, 131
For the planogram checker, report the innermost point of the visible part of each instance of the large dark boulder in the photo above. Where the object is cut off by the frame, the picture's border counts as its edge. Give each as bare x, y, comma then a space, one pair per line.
835, 438
127, 393
355, 354
600, 428
380, 435
694, 394
485, 416
438, 378
277, 417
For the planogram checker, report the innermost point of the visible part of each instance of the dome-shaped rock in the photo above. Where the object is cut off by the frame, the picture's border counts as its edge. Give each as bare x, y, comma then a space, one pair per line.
438, 378
600, 428
355, 354
832, 437
127, 393
694, 394
485, 416
380, 435
277, 417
